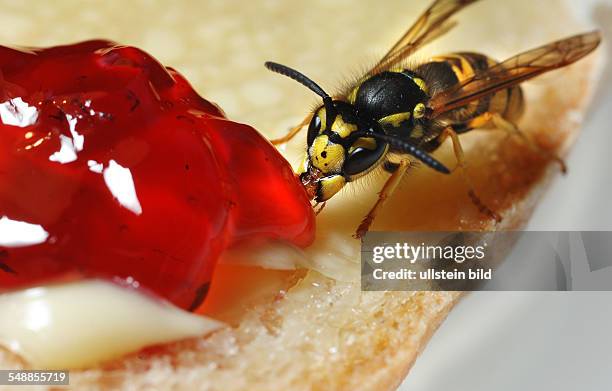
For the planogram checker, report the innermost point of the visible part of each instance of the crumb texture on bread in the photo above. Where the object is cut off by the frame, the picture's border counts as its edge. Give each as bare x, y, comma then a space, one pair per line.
322, 335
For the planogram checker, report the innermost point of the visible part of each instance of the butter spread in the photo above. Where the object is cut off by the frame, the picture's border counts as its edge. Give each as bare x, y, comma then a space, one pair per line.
83, 323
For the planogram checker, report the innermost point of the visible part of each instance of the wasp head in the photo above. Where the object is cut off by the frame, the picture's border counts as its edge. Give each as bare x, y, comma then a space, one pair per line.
341, 145
340, 148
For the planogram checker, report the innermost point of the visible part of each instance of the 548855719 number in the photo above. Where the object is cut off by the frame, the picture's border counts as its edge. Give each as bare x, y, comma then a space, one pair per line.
34, 377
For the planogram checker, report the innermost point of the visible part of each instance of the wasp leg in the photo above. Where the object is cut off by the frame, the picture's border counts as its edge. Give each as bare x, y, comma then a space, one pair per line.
320, 208
389, 187
461, 166
292, 132
503, 124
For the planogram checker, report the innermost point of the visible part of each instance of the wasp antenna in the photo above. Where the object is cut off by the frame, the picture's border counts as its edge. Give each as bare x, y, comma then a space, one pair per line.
413, 150
299, 77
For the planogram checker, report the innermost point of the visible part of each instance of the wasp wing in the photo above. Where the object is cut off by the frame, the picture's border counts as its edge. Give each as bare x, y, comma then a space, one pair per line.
430, 25
515, 70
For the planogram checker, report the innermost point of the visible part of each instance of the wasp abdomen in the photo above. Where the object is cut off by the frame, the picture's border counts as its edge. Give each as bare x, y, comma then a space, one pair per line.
444, 72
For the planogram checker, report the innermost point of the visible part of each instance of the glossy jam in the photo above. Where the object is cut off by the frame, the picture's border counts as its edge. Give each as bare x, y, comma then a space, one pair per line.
112, 166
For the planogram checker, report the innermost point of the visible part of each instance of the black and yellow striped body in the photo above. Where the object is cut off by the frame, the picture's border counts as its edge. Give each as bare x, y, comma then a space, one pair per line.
397, 100
341, 142
448, 70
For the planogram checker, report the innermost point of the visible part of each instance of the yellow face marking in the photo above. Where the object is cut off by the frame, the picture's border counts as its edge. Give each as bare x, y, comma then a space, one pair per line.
395, 120
325, 156
344, 129
322, 117
330, 186
421, 84
419, 110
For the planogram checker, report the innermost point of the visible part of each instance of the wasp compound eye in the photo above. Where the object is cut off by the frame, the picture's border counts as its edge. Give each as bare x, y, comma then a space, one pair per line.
364, 156
314, 129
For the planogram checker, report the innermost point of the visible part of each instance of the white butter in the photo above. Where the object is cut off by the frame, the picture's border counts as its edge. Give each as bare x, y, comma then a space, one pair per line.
83, 323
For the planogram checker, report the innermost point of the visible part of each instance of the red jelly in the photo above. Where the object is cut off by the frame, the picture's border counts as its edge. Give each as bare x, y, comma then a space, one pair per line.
112, 166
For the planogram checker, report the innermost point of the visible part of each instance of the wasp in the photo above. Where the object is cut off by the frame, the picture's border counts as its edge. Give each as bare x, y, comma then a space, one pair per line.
395, 114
